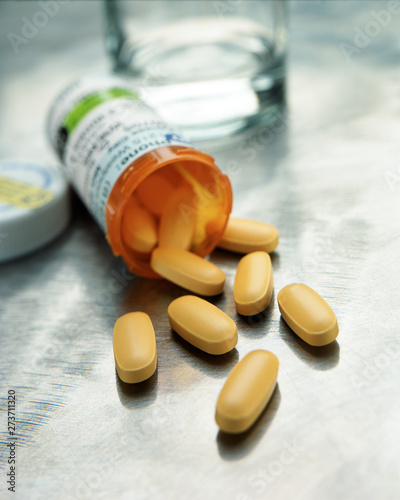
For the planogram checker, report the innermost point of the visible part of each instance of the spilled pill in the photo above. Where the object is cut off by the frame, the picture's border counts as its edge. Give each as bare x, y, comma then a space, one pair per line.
307, 314
246, 235
202, 324
176, 227
253, 285
134, 345
139, 227
188, 270
247, 391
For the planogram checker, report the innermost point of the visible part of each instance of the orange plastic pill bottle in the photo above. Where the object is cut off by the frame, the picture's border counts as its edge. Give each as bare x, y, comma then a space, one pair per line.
115, 148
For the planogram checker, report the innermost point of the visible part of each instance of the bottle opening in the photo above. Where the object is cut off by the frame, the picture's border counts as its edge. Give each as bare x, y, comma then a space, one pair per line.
172, 196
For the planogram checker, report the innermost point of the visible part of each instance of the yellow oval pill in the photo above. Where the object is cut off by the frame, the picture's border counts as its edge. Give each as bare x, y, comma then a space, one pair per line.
188, 270
139, 227
176, 227
245, 236
247, 391
307, 314
202, 324
134, 345
253, 285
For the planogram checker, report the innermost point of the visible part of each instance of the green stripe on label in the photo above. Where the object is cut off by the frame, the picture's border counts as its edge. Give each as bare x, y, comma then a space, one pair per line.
83, 107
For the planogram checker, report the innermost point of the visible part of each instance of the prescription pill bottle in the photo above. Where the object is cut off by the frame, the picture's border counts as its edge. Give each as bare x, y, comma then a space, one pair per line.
116, 149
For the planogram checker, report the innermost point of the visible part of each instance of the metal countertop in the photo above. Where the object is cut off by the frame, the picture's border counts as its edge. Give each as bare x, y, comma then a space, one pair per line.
328, 176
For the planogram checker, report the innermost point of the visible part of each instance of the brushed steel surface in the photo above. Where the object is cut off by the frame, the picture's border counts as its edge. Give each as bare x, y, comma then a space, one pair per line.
328, 176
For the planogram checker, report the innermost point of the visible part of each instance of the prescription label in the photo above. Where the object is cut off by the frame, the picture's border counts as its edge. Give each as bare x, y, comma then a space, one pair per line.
99, 132
20, 194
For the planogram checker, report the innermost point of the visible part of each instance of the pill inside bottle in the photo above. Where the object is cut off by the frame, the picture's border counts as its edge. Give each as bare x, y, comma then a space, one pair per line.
178, 212
155, 191
139, 227
177, 224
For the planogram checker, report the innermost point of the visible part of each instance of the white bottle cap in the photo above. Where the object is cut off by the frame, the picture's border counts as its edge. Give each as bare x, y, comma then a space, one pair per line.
34, 207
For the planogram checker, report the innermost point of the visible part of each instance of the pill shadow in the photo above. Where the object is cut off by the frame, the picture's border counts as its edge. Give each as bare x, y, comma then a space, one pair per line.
256, 326
148, 295
153, 295
320, 358
216, 366
219, 300
137, 395
221, 257
237, 446
275, 260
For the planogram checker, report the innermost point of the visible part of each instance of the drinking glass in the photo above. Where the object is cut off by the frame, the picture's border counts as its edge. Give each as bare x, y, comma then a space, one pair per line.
210, 67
